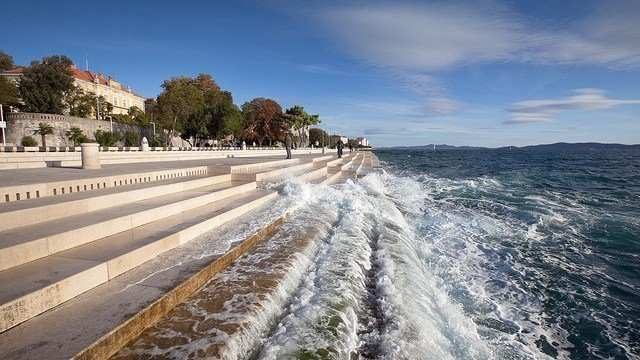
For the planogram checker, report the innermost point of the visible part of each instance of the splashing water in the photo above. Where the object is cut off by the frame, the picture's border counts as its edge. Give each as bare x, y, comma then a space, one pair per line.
507, 261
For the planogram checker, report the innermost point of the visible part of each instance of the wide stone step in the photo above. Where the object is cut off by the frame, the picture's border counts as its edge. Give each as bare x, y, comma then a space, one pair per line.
35, 287
313, 176
57, 188
248, 172
99, 314
28, 243
34, 211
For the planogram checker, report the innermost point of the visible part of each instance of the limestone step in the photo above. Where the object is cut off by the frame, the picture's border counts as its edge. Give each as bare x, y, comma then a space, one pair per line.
29, 212
348, 168
57, 188
334, 178
35, 287
28, 243
292, 171
336, 165
313, 176
97, 311
248, 172
282, 173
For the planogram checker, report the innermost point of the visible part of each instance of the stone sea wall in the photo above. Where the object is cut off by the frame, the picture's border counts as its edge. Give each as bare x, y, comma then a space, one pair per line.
23, 124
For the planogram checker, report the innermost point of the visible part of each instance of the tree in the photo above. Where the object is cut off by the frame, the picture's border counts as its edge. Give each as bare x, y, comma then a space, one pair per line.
131, 138
299, 120
44, 84
101, 107
76, 136
233, 122
319, 136
106, 138
180, 99
195, 126
79, 103
8, 92
225, 117
43, 130
263, 120
6, 61
138, 116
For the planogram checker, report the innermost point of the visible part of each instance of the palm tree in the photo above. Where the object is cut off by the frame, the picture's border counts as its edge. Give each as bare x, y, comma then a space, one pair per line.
76, 135
43, 130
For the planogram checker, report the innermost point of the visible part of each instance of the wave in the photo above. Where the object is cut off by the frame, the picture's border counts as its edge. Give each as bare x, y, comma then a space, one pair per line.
404, 265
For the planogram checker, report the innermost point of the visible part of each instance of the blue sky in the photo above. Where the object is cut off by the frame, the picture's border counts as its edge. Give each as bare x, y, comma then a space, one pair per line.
488, 73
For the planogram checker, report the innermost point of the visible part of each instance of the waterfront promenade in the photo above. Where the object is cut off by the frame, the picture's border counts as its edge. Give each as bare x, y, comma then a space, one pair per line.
75, 253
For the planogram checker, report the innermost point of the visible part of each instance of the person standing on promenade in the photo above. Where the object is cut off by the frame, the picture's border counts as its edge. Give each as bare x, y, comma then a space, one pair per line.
287, 144
339, 146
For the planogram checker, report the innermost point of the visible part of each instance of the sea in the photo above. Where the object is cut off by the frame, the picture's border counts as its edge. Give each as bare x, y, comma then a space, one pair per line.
448, 254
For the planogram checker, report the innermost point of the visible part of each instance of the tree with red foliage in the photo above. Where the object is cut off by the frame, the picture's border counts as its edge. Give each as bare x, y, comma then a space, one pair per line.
263, 120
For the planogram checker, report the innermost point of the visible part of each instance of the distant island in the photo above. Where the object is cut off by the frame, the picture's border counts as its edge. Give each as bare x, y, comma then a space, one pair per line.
561, 146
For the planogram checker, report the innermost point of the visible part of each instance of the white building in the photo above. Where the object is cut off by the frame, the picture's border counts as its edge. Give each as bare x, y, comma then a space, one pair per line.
362, 141
120, 96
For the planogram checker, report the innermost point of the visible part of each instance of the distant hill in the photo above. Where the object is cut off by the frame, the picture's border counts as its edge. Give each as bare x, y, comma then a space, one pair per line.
439, 147
588, 146
577, 146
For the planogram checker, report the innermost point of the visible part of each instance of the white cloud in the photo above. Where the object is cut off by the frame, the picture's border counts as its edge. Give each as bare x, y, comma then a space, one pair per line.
320, 69
415, 42
422, 37
534, 111
440, 36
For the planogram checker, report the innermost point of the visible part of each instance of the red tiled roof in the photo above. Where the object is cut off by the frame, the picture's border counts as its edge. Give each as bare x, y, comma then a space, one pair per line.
89, 76
17, 70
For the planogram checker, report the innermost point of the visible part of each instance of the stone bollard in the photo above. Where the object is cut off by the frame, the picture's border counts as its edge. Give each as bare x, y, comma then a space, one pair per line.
90, 156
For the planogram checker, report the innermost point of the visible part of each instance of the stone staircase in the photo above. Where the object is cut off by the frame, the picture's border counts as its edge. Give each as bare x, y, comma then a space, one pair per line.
59, 244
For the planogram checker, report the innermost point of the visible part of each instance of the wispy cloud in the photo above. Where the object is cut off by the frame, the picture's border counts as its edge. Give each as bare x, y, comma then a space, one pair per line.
443, 35
417, 42
321, 69
536, 111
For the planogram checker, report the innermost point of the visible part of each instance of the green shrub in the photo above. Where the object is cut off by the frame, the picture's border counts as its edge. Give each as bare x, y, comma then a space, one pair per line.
131, 138
107, 138
76, 136
156, 141
28, 141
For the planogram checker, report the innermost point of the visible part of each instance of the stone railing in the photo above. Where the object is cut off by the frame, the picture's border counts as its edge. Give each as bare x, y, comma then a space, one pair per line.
10, 149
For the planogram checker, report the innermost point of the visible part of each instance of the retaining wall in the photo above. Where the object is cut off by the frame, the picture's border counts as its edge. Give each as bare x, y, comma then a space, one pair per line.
23, 124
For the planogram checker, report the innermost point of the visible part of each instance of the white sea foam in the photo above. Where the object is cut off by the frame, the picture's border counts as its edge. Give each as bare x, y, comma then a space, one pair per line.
449, 281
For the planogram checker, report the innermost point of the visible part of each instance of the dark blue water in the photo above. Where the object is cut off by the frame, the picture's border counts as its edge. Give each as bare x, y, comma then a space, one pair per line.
538, 246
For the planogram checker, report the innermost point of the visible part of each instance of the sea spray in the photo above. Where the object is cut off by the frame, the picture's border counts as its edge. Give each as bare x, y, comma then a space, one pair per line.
321, 320
454, 260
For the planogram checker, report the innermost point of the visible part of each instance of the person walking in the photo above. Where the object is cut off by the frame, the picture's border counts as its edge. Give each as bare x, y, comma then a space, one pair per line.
287, 144
339, 146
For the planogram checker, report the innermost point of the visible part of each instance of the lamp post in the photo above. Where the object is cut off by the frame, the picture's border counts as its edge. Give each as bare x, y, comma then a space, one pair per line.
154, 128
